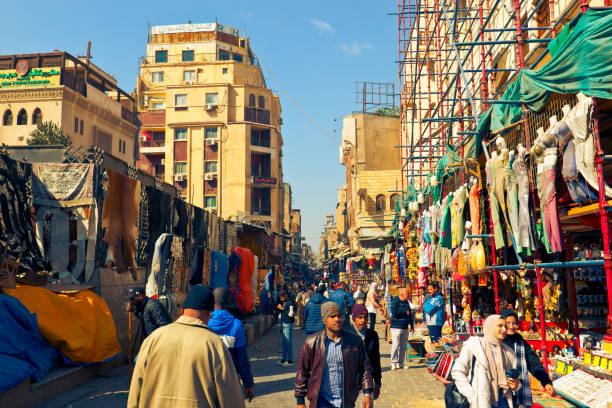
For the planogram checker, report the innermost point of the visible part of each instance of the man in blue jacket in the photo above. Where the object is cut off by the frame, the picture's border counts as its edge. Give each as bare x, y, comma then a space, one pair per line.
231, 332
345, 300
312, 311
434, 312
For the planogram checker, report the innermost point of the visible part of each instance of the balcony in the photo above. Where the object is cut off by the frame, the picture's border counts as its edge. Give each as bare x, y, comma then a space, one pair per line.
153, 146
257, 115
131, 117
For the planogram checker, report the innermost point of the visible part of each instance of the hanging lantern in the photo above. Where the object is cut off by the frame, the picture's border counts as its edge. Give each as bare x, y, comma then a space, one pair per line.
403, 213
421, 198
433, 181
401, 225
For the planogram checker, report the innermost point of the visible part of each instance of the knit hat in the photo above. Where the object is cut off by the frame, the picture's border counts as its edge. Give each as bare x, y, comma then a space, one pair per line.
199, 298
358, 310
329, 308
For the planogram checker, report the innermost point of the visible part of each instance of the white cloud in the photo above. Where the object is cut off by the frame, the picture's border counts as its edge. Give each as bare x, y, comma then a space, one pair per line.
356, 48
321, 25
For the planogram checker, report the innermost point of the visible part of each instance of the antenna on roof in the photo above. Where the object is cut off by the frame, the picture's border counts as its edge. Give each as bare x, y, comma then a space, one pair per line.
148, 32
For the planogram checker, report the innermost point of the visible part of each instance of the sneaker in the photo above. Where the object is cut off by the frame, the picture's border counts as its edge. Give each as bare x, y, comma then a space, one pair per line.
403, 367
288, 363
282, 362
393, 366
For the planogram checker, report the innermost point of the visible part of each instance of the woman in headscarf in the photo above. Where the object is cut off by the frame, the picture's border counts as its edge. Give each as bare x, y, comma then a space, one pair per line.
372, 305
527, 361
480, 370
357, 292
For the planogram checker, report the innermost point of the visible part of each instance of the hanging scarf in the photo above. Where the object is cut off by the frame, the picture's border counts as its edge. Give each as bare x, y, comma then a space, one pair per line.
496, 363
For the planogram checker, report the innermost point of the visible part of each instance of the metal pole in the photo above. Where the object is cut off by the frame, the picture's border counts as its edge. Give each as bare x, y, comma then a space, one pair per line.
543, 345
571, 283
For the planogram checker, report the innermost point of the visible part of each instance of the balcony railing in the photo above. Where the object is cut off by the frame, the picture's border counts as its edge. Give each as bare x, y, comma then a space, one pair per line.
72, 82
130, 116
257, 115
153, 143
261, 211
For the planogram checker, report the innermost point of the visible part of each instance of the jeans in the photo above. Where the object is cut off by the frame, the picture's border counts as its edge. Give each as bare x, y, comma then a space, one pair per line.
286, 341
399, 339
435, 332
371, 320
502, 402
323, 403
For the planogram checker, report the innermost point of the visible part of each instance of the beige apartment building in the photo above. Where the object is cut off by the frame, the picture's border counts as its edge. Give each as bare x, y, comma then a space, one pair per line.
72, 92
366, 203
210, 125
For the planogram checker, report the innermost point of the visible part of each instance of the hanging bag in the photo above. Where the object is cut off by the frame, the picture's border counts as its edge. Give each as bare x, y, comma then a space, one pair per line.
452, 397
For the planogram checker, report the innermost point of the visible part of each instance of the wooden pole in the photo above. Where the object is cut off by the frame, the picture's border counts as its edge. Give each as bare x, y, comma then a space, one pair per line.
131, 351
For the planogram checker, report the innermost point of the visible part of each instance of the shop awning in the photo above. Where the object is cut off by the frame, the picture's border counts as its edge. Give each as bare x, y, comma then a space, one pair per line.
376, 242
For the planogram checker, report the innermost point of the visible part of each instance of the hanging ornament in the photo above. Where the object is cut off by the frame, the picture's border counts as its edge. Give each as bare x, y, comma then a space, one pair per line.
433, 181
421, 198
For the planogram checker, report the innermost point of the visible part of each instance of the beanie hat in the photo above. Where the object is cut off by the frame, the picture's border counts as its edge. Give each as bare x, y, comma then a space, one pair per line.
329, 308
199, 298
358, 310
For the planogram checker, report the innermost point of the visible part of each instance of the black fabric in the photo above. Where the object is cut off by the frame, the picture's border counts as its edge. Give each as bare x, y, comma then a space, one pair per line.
152, 315
197, 265
181, 219
373, 350
452, 397
534, 365
285, 318
17, 236
199, 226
158, 206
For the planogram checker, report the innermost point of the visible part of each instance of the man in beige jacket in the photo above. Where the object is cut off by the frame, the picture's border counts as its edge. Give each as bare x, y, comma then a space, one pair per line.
185, 364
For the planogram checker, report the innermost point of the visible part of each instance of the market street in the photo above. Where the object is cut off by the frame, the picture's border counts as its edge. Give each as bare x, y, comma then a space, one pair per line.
274, 384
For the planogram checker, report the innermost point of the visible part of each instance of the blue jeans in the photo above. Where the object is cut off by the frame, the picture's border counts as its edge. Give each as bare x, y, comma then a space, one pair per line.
435, 332
286, 341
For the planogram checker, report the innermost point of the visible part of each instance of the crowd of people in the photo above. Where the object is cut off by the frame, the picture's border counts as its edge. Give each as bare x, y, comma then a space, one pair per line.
201, 358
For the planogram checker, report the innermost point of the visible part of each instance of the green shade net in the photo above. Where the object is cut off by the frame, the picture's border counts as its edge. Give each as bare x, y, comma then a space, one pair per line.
580, 62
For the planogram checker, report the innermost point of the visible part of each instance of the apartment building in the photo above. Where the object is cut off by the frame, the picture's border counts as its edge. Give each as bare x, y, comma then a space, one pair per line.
210, 125
82, 99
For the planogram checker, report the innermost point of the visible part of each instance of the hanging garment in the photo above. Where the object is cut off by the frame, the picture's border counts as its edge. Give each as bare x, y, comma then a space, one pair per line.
475, 209
161, 257
512, 205
498, 233
526, 234
445, 225
453, 213
461, 199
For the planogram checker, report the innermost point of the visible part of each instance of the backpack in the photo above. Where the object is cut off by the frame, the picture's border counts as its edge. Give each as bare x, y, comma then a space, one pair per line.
452, 397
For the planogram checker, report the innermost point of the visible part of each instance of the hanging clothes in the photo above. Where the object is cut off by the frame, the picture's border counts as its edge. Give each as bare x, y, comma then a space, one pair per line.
512, 205
526, 228
475, 209
498, 233
445, 225
460, 200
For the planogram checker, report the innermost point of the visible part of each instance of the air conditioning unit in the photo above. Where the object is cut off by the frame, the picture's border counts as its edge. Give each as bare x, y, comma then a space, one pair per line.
145, 100
210, 106
209, 176
211, 142
179, 177
163, 162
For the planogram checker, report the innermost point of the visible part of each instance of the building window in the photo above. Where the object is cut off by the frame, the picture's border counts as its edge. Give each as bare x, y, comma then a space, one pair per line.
188, 76
261, 102
211, 133
260, 137
210, 201
210, 167
188, 55
242, 43
252, 100
159, 105
157, 76
237, 57
7, 118
22, 117
260, 201
212, 98
180, 134
380, 203
76, 125
224, 55
180, 168
393, 202
161, 56
180, 100
224, 70
81, 127
120, 146
37, 117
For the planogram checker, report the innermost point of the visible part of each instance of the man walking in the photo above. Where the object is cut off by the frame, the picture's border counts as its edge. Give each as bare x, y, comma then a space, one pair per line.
312, 311
401, 318
185, 364
359, 322
333, 366
287, 311
434, 312
345, 300
231, 332
149, 311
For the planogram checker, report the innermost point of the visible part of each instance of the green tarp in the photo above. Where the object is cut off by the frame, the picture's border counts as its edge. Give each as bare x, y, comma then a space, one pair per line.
581, 61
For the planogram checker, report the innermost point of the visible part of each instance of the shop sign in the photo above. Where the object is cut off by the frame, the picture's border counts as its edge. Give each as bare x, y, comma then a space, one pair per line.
264, 180
25, 77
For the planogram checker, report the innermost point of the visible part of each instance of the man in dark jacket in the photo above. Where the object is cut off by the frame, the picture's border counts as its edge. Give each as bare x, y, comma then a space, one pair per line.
345, 300
312, 311
231, 331
287, 310
150, 312
370, 339
401, 318
333, 366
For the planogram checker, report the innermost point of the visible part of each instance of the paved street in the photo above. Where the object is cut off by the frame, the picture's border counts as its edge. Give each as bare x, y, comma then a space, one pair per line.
274, 384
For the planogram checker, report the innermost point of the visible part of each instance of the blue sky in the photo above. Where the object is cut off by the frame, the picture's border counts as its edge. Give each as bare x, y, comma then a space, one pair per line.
315, 50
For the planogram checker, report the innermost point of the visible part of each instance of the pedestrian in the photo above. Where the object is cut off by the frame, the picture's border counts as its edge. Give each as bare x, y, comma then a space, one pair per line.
333, 366
300, 301
231, 331
312, 311
434, 312
372, 304
486, 361
361, 299
342, 297
359, 321
527, 362
400, 320
357, 292
185, 364
149, 311
287, 311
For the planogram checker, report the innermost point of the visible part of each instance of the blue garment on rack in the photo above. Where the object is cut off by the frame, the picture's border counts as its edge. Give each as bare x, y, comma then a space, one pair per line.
401, 263
218, 270
576, 185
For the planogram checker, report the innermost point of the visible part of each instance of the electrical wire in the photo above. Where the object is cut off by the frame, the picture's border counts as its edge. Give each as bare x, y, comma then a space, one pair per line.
296, 104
